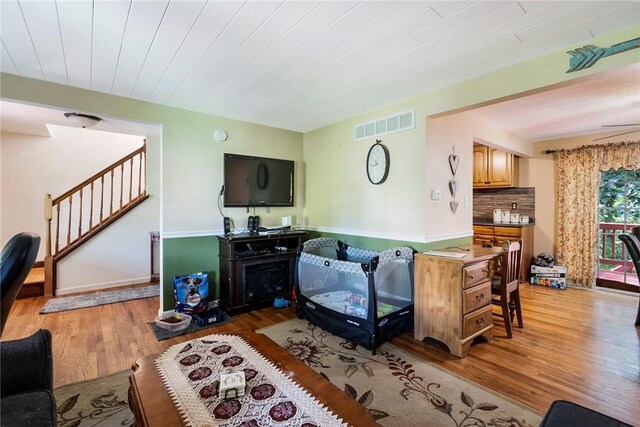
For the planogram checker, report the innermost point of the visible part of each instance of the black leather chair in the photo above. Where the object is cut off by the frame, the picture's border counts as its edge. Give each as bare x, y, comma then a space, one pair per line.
563, 413
633, 249
16, 260
26, 366
26, 392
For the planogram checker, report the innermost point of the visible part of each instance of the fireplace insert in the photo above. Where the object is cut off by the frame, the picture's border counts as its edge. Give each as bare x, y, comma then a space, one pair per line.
266, 280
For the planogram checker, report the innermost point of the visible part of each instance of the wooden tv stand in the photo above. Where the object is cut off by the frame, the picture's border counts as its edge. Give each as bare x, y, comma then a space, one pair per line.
255, 268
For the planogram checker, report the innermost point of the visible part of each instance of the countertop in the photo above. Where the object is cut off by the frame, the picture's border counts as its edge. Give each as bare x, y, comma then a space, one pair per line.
500, 224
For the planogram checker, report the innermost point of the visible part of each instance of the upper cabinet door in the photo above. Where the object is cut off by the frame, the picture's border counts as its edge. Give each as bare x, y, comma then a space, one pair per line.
501, 168
493, 168
480, 166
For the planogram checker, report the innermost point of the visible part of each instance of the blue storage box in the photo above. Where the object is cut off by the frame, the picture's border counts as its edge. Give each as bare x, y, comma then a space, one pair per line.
209, 317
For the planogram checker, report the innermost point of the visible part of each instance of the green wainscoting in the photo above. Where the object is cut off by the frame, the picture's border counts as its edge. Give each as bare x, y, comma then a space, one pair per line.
187, 255
378, 244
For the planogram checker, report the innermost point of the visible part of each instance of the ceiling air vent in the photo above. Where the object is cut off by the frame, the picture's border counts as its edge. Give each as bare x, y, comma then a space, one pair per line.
384, 125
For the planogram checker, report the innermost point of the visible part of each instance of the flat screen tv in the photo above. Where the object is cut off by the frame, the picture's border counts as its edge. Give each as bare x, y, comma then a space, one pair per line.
257, 181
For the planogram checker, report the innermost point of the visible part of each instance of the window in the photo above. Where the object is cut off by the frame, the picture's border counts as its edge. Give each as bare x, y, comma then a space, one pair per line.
618, 211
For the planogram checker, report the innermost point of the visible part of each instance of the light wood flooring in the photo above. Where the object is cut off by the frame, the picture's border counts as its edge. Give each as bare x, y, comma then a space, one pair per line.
577, 345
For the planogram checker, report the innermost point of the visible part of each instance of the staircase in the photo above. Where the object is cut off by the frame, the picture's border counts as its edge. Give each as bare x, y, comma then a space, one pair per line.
34, 283
79, 214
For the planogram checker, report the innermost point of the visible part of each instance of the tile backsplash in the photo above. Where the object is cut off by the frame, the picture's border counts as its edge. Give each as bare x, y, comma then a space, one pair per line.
486, 200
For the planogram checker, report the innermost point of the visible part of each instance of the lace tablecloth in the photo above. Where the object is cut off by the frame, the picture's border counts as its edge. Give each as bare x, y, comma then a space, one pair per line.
191, 373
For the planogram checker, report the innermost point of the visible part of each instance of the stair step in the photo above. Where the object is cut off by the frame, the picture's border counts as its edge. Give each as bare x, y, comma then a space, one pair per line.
36, 275
33, 285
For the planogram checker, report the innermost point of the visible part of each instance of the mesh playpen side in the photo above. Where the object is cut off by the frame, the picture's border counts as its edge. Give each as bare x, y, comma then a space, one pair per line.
358, 294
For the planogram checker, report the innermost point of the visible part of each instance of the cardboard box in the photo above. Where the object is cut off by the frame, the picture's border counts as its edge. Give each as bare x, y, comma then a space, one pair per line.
553, 277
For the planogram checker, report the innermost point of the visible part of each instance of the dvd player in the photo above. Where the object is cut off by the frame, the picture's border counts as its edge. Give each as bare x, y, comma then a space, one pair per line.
274, 230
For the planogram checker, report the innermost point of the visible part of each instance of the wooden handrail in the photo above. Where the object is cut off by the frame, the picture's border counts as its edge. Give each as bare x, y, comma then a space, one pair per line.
78, 229
104, 171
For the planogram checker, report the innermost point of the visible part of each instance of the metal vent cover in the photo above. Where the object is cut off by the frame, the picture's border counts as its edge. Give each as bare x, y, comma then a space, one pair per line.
384, 125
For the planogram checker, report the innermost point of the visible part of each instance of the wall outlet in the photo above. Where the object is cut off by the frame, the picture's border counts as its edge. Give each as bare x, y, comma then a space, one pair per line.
514, 205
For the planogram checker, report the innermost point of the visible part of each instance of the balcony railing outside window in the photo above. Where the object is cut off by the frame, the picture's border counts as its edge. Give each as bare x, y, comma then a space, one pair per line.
618, 211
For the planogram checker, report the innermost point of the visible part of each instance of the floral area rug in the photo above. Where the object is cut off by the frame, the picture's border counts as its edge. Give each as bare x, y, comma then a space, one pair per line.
99, 402
397, 388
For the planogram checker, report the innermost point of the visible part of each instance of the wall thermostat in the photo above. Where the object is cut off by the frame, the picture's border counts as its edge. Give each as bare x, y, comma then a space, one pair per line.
436, 194
220, 135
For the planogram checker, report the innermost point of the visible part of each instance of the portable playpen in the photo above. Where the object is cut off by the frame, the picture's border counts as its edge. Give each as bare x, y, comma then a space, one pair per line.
361, 295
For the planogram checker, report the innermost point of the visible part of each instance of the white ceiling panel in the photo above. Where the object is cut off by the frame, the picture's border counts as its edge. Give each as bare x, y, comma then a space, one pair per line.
465, 17
7, 62
599, 28
143, 24
319, 31
283, 19
304, 64
199, 39
564, 18
231, 39
109, 24
303, 41
76, 27
340, 57
42, 21
378, 20
222, 12
448, 8
17, 41
174, 29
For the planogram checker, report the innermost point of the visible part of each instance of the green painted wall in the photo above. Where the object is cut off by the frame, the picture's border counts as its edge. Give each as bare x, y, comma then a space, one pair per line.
339, 197
187, 161
376, 244
189, 255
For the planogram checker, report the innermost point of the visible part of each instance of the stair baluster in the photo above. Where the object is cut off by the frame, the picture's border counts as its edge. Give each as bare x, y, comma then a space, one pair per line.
86, 231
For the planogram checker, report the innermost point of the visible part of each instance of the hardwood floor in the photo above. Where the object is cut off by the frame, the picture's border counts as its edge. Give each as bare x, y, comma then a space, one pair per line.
577, 345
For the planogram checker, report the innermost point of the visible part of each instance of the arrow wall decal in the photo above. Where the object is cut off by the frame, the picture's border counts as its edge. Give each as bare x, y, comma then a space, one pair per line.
586, 56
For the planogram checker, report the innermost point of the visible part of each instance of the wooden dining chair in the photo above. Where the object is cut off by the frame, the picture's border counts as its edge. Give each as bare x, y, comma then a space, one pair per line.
505, 289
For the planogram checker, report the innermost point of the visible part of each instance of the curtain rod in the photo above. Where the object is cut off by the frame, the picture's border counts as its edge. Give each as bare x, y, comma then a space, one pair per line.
560, 150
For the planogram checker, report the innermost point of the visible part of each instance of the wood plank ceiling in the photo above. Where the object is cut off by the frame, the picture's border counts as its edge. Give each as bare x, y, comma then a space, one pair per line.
296, 65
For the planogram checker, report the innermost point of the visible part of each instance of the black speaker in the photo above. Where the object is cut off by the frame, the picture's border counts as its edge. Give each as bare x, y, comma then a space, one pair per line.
227, 225
256, 223
250, 224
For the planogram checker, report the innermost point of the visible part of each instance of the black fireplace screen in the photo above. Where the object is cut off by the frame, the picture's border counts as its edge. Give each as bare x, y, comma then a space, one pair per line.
265, 280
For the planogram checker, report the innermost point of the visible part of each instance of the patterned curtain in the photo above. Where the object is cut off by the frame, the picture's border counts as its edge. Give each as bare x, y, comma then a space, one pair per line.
578, 173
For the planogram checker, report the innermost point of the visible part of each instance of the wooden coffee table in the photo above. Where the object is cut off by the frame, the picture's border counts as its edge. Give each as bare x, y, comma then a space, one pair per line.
152, 405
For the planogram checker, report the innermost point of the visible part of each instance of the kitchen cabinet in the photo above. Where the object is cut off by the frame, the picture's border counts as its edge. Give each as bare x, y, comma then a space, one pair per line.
452, 301
496, 235
493, 168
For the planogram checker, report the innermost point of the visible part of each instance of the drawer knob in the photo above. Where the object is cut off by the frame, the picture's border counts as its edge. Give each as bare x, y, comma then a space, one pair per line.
470, 276
479, 297
486, 270
480, 321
